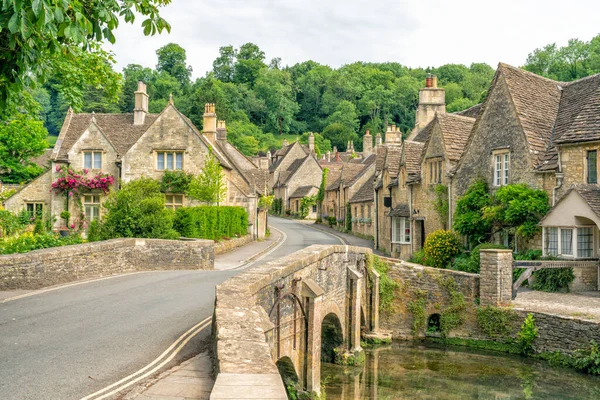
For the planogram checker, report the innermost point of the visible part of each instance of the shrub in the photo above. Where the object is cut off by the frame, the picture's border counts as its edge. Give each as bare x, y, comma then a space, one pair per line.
588, 359
527, 335
387, 286
138, 210
28, 242
496, 322
441, 247
553, 279
209, 222
175, 181
10, 223
331, 221
418, 257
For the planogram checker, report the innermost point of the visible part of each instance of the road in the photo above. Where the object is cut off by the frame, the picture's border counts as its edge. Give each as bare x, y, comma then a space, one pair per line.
69, 343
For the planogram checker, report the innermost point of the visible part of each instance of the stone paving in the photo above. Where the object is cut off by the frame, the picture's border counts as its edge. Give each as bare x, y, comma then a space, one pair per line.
584, 305
191, 380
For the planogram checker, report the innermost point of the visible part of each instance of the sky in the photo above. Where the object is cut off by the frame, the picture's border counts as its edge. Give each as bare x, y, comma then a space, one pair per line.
414, 33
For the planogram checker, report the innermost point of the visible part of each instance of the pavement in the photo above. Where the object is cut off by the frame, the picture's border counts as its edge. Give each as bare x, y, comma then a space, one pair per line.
583, 305
80, 340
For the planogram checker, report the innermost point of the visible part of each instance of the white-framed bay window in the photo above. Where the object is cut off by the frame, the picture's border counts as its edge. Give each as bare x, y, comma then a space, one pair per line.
400, 230
571, 241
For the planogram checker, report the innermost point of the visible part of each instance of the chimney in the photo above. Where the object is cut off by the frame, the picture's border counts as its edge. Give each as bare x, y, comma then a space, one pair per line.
284, 143
209, 125
378, 140
221, 130
140, 109
367, 144
328, 156
337, 156
432, 100
311, 143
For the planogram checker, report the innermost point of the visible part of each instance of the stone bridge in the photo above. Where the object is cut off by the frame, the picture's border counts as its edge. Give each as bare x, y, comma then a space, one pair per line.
281, 315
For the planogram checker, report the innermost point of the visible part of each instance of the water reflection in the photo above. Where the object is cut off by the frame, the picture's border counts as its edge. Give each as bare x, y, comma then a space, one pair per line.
416, 371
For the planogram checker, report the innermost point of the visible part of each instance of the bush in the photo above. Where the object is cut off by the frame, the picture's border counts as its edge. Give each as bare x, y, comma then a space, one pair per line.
588, 359
495, 322
441, 247
175, 181
553, 279
418, 257
10, 223
28, 242
331, 221
209, 222
137, 210
387, 286
527, 335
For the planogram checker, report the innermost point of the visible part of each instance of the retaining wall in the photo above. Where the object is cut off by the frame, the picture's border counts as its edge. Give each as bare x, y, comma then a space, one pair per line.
225, 246
47, 267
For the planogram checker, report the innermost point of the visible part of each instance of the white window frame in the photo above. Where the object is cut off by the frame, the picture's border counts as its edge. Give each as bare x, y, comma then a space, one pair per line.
35, 205
574, 241
399, 227
173, 161
91, 207
170, 202
501, 163
95, 158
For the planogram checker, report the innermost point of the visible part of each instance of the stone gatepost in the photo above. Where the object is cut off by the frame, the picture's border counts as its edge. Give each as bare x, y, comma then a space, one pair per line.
495, 285
354, 312
374, 311
314, 296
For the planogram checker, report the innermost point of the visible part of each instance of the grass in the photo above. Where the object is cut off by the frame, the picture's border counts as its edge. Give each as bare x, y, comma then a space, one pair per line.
51, 139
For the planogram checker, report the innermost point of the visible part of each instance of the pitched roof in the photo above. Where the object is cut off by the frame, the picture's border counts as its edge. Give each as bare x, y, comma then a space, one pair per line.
118, 129
365, 193
333, 176
303, 191
380, 158
472, 112
536, 101
412, 160
392, 161
578, 117
401, 210
591, 195
455, 131
43, 160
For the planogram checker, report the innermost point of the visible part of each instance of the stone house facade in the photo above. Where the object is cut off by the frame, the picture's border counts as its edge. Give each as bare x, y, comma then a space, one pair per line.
140, 144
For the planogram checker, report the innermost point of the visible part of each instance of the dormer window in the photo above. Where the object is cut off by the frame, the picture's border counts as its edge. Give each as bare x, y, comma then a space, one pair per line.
92, 159
434, 167
592, 166
501, 167
169, 160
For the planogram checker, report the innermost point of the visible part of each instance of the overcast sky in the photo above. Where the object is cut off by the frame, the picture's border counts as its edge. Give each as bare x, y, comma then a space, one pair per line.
415, 33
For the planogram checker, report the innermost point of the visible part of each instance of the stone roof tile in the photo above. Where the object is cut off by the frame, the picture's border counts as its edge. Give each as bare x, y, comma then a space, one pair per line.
365, 193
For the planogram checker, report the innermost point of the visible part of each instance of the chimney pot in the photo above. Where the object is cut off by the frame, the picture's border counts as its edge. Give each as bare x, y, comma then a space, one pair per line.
209, 126
141, 104
434, 81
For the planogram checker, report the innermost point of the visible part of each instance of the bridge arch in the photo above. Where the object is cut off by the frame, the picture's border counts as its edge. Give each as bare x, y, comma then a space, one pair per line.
287, 371
332, 337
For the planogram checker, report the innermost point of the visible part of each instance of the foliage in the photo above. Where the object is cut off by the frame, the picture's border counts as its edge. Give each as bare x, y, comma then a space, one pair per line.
265, 202
137, 210
495, 322
209, 186
471, 263
387, 285
209, 222
453, 314
305, 204
553, 279
38, 31
29, 241
416, 307
10, 223
172, 60
348, 222
339, 135
587, 359
277, 207
468, 218
75, 183
343, 357
322, 145
441, 204
527, 335
322, 186
440, 248
331, 221
174, 181
6, 194
22, 137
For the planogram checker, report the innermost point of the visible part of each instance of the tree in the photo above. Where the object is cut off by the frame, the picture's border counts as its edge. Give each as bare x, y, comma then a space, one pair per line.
209, 187
250, 61
345, 114
274, 88
172, 60
322, 145
37, 32
21, 138
339, 135
223, 66
468, 218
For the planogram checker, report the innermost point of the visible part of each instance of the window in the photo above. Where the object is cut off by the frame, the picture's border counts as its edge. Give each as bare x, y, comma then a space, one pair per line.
169, 160
566, 242
435, 171
369, 212
314, 208
91, 204
173, 201
34, 210
552, 241
92, 159
400, 230
585, 242
362, 211
501, 166
592, 166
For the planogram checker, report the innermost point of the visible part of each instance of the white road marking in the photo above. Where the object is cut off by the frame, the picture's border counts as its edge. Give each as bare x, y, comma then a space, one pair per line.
281, 242
177, 346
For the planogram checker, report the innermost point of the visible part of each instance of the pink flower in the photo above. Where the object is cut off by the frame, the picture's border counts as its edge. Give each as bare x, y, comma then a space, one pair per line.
58, 168
72, 226
85, 171
70, 194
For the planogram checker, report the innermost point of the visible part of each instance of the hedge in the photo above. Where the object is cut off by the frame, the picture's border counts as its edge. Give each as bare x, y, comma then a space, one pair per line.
211, 222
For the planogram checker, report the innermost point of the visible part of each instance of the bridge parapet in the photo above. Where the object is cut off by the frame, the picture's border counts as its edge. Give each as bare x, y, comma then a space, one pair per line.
275, 311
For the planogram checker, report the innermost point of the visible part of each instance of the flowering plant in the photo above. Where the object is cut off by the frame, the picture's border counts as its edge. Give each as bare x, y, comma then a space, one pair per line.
74, 182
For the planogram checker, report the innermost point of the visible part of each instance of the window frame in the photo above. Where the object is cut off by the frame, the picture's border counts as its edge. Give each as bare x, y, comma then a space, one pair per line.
33, 214
574, 242
501, 168
405, 224
435, 168
587, 167
95, 155
173, 205
174, 157
91, 205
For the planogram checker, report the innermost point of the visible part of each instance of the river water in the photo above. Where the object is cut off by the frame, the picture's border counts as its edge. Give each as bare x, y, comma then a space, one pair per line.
406, 370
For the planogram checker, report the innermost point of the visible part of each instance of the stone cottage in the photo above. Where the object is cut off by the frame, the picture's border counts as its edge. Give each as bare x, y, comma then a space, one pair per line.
141, 144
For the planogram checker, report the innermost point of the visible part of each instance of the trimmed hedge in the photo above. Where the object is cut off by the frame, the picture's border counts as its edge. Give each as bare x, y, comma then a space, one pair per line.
211, 222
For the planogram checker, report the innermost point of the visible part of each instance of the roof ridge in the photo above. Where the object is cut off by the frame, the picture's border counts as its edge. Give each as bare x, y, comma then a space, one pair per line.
525, 72
452, 115
590, 77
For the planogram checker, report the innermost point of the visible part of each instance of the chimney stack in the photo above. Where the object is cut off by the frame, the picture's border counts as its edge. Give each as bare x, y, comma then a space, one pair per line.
209, 126
378, 140
221, 130
284, 143
432, 100
328, 156
367, 144
140, 109
311, 143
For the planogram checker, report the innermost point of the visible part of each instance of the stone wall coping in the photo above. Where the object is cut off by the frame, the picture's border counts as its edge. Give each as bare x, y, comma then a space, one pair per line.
496, 251
439, 270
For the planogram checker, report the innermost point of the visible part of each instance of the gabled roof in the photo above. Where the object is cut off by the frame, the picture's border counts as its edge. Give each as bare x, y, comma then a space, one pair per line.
365, 193
118, 129
380, 158
366, 164
303, 191
283, 152
472, 112
412, 160
401, 210
455, 130
333, 176
589, 193
392, 160
536, 100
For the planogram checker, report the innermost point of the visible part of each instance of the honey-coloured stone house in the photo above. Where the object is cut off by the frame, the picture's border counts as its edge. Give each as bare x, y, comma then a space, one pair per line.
141, 144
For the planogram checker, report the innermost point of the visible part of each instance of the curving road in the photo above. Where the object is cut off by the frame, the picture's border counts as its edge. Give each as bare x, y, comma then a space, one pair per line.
69, 343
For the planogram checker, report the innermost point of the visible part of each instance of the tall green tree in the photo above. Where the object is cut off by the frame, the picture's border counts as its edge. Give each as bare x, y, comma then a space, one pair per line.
209, 186
250, 61
274, 88
224, 65
172, 59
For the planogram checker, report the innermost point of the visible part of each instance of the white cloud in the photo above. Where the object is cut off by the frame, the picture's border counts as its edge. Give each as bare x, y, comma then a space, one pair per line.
336, 32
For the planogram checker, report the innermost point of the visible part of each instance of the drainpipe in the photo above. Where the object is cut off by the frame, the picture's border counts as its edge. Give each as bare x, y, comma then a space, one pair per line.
377, 219
450, 213
559, 181
410, 213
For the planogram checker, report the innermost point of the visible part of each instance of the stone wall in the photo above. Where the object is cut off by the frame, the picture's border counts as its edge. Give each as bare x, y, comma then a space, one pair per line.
47, 267
586, 279
225, 246
496, 277
432, 283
